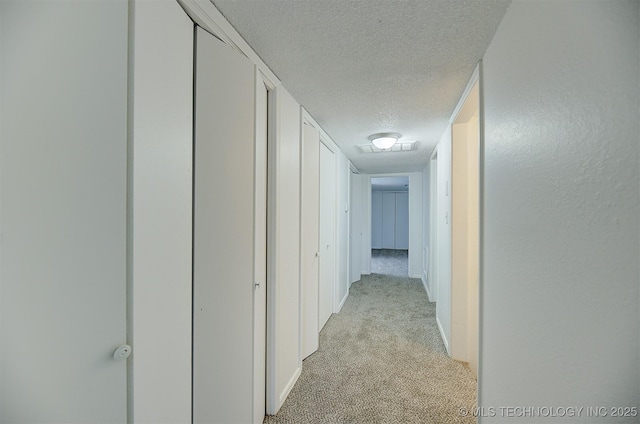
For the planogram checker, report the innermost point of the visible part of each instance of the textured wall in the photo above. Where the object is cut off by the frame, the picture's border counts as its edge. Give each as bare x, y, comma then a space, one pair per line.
560, 285
426, 221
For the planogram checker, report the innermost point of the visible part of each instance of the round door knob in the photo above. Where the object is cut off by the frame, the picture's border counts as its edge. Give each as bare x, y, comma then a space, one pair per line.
122, 352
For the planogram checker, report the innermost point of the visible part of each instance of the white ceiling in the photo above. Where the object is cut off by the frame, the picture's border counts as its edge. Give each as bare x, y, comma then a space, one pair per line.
365, 66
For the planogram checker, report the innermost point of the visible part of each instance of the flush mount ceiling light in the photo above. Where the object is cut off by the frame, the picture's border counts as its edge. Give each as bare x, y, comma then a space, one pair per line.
384, 141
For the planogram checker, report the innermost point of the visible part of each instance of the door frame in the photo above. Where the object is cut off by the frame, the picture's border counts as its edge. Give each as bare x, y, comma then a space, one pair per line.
414, 190
209, 18
433, 225
466, 299
263, 247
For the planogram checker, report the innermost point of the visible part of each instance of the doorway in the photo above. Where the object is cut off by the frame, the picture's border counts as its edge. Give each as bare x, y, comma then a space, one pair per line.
390, 225
465, 223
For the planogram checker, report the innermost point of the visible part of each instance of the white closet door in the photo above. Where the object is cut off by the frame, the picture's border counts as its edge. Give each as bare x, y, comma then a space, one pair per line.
310, 222
388, 220
260, 255
327, 233
402, 221
376, 220
223, 234
64, 208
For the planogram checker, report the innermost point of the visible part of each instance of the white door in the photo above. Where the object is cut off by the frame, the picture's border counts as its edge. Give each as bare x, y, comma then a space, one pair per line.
402, 221
310, 217
388, 220
223, 260
260, 255
376, 220
63, 211
327, 233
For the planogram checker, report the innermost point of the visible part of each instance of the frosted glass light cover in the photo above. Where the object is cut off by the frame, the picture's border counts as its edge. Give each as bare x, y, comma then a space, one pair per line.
384, 142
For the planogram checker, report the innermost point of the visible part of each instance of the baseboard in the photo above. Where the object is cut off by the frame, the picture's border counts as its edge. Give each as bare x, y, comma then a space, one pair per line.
287, 390
426, 287
444, 339
341, 304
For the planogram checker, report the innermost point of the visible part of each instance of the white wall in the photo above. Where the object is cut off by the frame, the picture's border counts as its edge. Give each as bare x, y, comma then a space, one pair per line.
415, 224
365, 217
560, 294
355, 227
160, 208
473, 240
426, 221
2, 61
284, 282
443, 291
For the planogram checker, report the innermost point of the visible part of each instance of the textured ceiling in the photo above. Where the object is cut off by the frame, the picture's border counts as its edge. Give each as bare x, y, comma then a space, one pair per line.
366, 66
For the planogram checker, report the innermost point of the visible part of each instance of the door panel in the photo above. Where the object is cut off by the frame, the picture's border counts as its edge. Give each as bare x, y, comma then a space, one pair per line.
223, 234
64, 206
402, 221
260, 277
327, 233
388, 220
376, 220
310, 237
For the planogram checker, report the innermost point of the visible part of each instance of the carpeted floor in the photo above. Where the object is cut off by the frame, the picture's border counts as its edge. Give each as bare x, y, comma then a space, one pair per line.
381, 360
390, 262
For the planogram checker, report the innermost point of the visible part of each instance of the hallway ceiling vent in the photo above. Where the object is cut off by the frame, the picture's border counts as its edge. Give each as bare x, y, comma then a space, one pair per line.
400, 146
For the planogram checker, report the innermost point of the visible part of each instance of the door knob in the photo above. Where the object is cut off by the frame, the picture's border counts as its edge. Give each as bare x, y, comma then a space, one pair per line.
122, 352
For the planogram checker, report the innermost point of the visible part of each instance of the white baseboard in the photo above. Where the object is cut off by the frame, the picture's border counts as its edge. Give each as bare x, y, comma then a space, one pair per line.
444, 339
341, 304
426, 287
286, 391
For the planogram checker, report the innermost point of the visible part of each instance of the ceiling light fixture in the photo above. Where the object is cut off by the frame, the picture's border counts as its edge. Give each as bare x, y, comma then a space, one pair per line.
384, 141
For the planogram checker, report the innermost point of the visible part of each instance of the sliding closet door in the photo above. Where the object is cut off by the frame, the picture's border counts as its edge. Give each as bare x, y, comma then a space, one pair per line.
63, 216
388, 220
402, 221
310, 242
376, 220
327, 234
223, 234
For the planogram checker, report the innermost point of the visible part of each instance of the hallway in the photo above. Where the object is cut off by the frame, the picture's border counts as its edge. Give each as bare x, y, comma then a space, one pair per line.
381, 360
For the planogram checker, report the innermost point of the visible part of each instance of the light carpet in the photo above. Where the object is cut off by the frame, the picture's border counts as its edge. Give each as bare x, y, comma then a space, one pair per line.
390, 262
381, 360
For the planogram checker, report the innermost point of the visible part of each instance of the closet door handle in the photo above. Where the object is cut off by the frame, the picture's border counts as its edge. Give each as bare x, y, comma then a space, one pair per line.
122, 352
